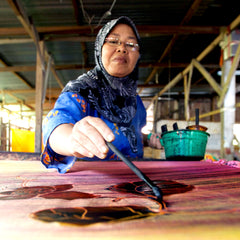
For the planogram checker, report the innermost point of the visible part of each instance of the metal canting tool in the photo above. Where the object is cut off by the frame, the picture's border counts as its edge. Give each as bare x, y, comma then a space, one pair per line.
156, 190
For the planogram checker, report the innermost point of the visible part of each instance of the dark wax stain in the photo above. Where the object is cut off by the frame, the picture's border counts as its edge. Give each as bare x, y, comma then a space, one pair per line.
68, 195
49, 192
83, 216
90, 215
167, 187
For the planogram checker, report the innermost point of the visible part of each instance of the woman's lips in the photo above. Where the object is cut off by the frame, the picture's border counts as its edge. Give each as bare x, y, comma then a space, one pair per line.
120, 60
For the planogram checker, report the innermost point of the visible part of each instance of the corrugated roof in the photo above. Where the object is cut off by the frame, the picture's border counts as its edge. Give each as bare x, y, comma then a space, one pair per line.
173, 33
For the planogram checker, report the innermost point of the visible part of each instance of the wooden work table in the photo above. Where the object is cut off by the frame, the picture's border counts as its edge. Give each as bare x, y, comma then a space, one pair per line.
202, 201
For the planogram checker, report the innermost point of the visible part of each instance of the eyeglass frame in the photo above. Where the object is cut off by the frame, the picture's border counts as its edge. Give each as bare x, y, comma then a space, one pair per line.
135, 46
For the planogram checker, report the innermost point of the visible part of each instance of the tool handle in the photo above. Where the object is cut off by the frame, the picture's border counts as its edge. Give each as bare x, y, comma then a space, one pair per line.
136, 170
197, 116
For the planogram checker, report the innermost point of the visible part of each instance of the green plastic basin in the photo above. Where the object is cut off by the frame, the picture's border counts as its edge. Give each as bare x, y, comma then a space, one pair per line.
184, 144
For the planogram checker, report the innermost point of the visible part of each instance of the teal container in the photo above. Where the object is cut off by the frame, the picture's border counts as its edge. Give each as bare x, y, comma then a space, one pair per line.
184, 144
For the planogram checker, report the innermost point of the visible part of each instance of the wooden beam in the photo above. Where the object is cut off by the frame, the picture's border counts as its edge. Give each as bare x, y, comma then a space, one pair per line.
144, 30
204, 53
16, 74
55, 91
15, 40
17, 99
20, 13
207, 76
33, 33
77, 11
168, 48
18, 69
180, 75
214, 112
31, 68
56, 77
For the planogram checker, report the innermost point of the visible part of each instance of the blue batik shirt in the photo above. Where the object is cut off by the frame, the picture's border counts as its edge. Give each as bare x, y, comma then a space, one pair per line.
70, 108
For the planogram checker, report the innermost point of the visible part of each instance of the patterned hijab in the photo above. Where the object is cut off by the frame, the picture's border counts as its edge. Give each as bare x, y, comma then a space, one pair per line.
113, 97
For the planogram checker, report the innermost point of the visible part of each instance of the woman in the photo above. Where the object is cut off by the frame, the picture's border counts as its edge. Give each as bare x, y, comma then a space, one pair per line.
101, 105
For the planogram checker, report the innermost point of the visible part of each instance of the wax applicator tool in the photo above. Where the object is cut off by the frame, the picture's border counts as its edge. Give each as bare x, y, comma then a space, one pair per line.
197, 126
156, 190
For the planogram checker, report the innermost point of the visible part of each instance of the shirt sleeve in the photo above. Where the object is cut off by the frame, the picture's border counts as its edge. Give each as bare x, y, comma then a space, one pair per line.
69, 108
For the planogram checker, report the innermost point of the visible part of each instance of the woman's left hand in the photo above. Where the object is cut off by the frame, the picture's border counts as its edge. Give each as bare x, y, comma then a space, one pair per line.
154, 141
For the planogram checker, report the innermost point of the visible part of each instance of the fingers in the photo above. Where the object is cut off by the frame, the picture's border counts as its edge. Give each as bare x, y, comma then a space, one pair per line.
89, 136
101, 127
154, 141
158, 143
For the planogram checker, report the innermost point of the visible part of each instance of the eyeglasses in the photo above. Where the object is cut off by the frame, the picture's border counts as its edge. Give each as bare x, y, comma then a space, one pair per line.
115, 42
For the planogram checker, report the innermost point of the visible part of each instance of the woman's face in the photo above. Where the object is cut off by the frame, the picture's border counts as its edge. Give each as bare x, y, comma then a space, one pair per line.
119, 60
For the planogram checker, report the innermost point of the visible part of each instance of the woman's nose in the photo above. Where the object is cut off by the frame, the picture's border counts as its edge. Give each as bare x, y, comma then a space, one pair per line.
122, 48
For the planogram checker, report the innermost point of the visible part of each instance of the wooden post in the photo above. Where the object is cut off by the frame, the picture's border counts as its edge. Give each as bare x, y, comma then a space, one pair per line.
231, 73
155, 108
187, 84
38, 98
229, 112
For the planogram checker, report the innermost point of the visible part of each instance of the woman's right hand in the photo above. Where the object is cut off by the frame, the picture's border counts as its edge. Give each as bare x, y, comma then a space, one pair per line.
87, 138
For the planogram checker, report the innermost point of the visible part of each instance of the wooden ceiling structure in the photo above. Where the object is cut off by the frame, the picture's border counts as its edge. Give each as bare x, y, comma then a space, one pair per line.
190, 38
